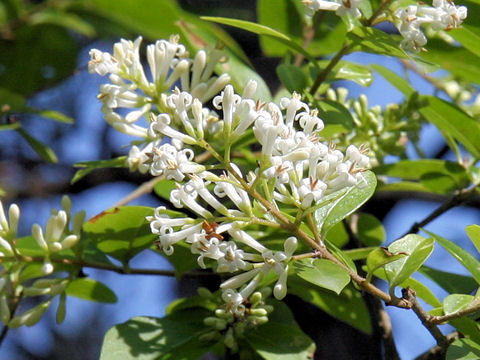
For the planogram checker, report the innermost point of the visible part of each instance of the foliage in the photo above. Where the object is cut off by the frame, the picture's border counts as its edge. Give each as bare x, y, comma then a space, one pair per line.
263, 190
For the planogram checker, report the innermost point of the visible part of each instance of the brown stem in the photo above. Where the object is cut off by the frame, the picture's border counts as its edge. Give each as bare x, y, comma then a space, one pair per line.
410, 295
385, 326
309, 34
323, 75
377, 12
143, 189
437, 352
100, 266
461, 197
473, 307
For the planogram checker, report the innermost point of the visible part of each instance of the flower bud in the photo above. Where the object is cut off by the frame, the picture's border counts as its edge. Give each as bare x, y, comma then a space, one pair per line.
4, 310
204, 293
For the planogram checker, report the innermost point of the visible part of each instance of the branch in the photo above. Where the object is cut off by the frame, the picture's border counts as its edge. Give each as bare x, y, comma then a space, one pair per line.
377, 12
323, 75
410, 295
471, 308
461, 197
436, 352
100, 266
143, 189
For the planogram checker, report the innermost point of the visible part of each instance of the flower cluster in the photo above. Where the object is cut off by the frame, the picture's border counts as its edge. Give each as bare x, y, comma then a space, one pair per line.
131, 94
341, 7
54, 238
298, 168
443, 15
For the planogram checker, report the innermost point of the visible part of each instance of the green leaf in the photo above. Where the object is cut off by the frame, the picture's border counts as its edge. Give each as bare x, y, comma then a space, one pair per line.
163, 188
452, 283
121, 232
89, 166
288, 19
428, 171
346, 70
262, 30
281, 338
380, 257
468, 327
292, 77
370, 230
323, 273
463, 349
403, 186
92, 290
473, 232
463, 256
334, 113
337, 210
338, 235
456, 302
10, 100
348, 307
174, 336
358, 254
452, 120
394, 79
51, 114
375, 41
418, 249
182, 259
45, 152
458, 60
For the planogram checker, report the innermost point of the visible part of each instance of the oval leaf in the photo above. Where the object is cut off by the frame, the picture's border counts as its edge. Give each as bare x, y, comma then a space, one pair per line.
370, 230
456, 302
323, 273
92, 290
417, 248
463, 349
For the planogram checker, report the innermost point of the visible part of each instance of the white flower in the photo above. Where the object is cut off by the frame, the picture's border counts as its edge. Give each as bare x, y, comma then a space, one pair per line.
102, 63
160, 125
341, 7
138, 159
8, 228
53, 240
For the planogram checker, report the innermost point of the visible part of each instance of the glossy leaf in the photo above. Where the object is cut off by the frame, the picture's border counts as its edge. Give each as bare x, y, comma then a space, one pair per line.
403, 186
280, 338
338, 235
375, 41
456, 59
346, 70
163, 188
262, 30
348, 307
473, 232
292, 77
397, 81
288, 19
174, 336
450, 119
323, 273
468, 327
380, 257
92, 290
88, 166
463, 349
370, 230
335, 211
426, 169
121, 232
463, 256
452, 283
334, 113
456, 302
417, 248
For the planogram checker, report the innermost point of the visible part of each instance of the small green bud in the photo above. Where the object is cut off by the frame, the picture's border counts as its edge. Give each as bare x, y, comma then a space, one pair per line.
204, 293
229, 340
4, 310
221, 313
258, 312
256, 298
257, 320
209, 336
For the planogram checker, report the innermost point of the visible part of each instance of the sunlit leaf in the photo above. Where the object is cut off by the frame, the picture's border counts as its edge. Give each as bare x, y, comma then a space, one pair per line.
370, 230
174, 336
381, 257
44, 151
456, 302
473, 232
463, 349
121, 232
92, 290
375, 41
394, 79
463, 256
88, 166
292, 77
417, 248
323, 273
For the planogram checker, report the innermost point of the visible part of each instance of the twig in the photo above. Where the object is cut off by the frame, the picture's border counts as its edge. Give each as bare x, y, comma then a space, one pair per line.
377, 12
385, 327
143, 189
410, 295
309, 34
436, 352
473, 307
100, 266
13, 309
323, 75
461, 197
